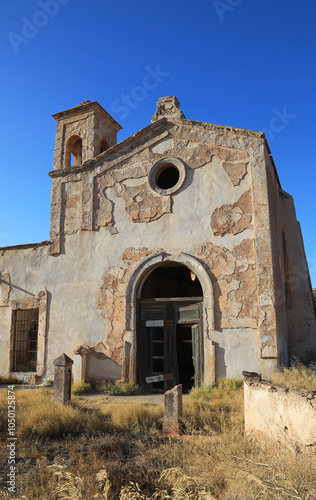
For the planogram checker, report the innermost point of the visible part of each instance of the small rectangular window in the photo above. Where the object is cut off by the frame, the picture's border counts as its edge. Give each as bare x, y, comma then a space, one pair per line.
25, 331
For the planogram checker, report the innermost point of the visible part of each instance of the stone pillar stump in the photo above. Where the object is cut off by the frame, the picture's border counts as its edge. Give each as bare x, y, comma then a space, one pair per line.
62, 379
173, 411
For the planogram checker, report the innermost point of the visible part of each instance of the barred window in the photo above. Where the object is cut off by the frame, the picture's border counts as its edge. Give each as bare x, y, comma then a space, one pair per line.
25, 330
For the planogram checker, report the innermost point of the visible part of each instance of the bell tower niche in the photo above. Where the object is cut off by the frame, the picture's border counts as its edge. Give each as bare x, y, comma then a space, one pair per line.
82, 133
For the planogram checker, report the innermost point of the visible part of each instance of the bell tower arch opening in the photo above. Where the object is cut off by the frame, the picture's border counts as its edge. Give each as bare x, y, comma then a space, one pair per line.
170, 329
90, 123
104, 145
74, 151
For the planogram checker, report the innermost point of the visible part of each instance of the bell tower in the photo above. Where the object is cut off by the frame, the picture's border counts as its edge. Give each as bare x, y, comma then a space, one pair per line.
82, 133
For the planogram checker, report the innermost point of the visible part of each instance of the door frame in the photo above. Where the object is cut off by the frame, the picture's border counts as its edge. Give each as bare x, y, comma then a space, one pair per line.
168, 314
133, 292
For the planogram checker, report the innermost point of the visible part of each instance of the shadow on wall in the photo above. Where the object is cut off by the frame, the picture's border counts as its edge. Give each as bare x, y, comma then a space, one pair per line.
220, 361
101, 367
92, 363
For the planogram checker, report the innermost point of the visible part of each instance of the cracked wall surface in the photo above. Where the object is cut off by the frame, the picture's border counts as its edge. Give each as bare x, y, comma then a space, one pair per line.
233, 219
130, 184
111, 299
233, 275
130, 181
71, 210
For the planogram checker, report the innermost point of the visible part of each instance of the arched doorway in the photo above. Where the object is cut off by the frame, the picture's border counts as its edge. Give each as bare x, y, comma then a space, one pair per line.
170, 329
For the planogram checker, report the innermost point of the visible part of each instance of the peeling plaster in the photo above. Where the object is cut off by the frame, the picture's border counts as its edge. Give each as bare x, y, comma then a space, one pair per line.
233, 219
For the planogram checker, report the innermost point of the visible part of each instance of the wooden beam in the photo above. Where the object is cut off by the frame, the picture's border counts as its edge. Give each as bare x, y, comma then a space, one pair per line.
159, 378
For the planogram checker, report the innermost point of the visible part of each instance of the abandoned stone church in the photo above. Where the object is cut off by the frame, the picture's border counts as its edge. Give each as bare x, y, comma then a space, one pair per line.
174, 252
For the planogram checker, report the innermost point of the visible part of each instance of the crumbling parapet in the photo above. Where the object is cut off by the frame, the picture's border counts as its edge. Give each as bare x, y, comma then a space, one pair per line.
173, 411
62, 379
169, 107
280, 413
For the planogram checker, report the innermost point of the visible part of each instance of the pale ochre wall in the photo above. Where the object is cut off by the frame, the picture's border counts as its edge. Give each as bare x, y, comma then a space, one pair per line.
285, 415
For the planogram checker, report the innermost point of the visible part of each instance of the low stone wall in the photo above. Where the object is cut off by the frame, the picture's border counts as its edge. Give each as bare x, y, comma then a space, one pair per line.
283, 414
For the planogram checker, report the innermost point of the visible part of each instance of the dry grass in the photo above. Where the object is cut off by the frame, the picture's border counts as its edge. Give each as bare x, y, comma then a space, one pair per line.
116, 451
213, 410
298, 376
37, 416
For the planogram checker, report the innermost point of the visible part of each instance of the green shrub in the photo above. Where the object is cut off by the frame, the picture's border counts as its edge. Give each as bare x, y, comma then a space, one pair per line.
214, 409
224, 386
123, 389
83, 387
10, 380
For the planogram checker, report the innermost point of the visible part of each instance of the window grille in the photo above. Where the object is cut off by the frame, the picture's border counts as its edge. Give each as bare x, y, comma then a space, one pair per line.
25, 330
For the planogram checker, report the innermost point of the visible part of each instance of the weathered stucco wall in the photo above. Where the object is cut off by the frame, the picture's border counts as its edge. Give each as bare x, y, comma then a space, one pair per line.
274, 195
286, 415
87, 294
106, 219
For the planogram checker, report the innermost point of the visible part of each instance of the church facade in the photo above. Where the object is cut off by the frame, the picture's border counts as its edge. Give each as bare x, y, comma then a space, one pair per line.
173, 254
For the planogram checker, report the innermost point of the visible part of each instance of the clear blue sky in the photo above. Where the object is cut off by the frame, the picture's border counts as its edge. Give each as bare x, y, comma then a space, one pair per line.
240, 63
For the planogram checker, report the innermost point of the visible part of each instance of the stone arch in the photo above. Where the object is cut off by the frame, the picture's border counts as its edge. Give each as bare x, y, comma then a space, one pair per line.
104, 145
133, 291
74, 148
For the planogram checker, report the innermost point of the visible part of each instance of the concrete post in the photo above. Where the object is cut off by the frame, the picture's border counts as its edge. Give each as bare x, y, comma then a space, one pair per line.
173, 411
62, 379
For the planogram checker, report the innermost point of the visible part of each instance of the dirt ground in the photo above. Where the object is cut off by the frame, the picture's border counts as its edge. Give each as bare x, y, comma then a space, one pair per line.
154, 399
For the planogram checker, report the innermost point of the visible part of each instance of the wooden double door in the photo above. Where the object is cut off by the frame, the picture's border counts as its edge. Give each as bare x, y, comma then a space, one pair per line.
170, 343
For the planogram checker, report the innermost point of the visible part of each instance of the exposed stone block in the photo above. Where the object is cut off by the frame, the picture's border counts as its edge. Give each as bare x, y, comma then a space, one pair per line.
233, 219
235, 172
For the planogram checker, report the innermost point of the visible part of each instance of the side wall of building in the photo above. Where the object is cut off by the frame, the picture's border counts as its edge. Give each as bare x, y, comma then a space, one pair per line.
275, 210
295, 314
299, 295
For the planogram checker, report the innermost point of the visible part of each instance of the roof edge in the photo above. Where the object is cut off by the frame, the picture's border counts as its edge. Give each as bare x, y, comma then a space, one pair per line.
85, 107
25, 246
149, 128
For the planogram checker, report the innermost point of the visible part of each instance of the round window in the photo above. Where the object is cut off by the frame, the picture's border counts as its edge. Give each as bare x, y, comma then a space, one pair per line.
167, 176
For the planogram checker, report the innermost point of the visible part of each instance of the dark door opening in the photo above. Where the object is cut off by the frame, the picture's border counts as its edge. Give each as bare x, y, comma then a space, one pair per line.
185, 365
169, 344
169, 329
